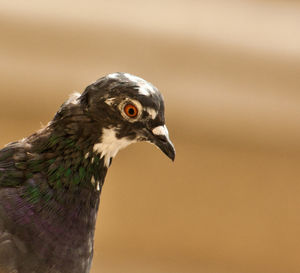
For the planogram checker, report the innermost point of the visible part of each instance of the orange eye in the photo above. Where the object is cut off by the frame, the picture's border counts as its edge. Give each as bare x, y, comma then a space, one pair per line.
131, 110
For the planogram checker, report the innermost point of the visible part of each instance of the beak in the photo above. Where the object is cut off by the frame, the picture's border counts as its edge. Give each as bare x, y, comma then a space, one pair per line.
160, 138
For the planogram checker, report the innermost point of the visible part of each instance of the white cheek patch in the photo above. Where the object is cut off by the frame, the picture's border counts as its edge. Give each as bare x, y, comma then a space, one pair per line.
145, 88
161, 131
110, 145
152, 112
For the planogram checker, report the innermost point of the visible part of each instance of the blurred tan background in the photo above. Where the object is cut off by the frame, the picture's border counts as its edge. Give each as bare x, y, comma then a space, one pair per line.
230, 75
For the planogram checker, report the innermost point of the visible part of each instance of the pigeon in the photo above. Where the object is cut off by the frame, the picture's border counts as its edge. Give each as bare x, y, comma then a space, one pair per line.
51, 181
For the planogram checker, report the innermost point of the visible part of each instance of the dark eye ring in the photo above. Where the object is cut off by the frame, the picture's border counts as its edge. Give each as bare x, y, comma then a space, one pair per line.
131, 110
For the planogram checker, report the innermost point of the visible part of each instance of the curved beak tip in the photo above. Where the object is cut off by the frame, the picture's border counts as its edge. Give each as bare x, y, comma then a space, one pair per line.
173, 158
166, 146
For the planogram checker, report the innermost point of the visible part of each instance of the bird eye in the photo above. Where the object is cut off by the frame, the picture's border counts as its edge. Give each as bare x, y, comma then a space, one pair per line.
131, 110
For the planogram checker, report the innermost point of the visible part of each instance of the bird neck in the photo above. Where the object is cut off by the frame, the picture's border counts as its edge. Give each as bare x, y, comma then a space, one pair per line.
73, 166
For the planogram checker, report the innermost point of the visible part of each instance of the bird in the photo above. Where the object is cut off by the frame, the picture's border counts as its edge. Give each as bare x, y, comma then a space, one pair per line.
51, 181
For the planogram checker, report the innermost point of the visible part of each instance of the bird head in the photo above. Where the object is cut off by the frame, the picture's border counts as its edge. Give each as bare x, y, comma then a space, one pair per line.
126, 109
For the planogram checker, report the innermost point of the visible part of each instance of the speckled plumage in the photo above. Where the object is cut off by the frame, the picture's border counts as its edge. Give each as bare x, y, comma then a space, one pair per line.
50, 182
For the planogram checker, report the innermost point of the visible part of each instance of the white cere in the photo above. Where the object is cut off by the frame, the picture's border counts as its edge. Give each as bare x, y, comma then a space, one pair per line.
161, 131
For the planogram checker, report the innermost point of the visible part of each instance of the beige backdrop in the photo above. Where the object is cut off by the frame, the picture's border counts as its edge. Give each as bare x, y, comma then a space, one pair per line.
230, 75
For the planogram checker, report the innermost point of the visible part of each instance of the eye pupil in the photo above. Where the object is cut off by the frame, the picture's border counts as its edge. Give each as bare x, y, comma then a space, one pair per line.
131, 111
